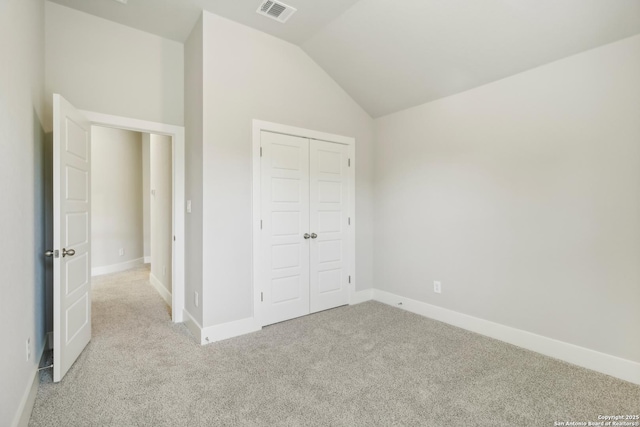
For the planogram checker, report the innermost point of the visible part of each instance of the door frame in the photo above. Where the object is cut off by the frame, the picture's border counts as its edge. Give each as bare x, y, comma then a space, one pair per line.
178, 178
258, 127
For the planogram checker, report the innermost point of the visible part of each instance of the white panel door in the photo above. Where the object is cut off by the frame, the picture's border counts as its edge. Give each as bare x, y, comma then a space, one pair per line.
329, 198
285, 222
71, 236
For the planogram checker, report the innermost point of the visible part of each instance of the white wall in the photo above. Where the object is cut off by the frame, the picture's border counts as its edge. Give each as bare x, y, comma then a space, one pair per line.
523, 198
193, 102
251, 75
102, 66
116, 196
160, 208
146, 195
22, 263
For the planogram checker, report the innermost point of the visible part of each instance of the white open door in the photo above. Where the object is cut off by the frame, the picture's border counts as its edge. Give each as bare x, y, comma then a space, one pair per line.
71, 235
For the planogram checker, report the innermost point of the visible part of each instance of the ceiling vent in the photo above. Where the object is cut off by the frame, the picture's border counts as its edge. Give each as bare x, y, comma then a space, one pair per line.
276, 10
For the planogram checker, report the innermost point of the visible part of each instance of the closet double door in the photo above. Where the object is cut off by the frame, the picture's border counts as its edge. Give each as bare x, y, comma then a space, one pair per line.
304, 204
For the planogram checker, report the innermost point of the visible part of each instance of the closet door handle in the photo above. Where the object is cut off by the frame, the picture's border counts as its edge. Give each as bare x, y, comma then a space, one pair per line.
306, 235
70, 252
314, 235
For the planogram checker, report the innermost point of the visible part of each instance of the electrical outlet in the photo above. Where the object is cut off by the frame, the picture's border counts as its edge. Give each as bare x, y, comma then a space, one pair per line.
196, 299
121, 252
437, 287
28, 349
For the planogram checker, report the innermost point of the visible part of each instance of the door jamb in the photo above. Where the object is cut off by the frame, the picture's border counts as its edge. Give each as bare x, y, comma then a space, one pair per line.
178, 177
258, 127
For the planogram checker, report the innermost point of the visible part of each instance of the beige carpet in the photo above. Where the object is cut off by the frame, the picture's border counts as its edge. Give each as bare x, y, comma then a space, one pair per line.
364, 365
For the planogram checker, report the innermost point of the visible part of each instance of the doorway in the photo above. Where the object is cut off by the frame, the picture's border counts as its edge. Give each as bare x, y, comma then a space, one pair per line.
72, 224
176, 135
131, 197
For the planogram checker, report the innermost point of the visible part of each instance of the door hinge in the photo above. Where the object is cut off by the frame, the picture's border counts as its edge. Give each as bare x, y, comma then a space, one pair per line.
174, 238
349, 221
260, 151
349, 162
260, 224
349, 279
261, 297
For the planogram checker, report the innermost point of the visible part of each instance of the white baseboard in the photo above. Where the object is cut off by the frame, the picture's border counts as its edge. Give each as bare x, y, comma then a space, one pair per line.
164, 293
115, 268
361, 296
23, 415
26, 404
224, 331
228, 330
193, 325
601, 362
147, 260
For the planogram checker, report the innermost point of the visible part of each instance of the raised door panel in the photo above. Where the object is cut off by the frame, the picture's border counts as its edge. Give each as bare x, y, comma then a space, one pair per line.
329, 196
285, 220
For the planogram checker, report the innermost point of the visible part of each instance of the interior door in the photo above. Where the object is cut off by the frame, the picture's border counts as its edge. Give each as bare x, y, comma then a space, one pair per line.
71, 236
329, 199
285, 227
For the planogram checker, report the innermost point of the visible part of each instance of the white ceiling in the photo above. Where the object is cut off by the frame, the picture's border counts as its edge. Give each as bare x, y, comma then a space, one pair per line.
393, 54
174, 19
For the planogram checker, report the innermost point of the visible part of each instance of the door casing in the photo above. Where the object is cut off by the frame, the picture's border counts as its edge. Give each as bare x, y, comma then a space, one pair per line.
178, 208
258, 127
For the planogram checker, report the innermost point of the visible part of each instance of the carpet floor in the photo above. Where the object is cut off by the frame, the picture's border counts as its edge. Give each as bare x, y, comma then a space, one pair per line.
363, 365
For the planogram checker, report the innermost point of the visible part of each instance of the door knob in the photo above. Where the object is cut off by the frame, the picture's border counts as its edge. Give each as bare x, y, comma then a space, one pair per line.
314, 235
49, 253
70, 252
306, 235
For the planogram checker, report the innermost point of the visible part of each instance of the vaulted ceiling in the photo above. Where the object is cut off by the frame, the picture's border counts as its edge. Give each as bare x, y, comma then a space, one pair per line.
174, 19
393, 54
